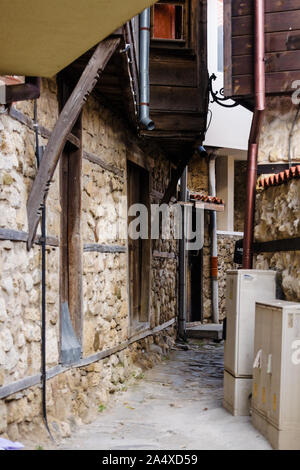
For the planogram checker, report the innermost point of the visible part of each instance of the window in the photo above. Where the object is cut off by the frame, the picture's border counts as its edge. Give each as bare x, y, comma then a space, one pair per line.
169, 21
139, 251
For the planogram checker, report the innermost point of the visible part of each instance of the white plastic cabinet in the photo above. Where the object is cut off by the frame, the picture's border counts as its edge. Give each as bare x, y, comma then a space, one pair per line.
276, 374
244, 288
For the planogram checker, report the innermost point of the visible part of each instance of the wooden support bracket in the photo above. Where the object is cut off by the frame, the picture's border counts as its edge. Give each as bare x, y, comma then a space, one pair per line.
62, 129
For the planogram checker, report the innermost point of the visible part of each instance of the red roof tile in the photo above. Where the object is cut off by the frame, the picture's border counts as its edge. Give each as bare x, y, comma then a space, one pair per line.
205, 198
280, 178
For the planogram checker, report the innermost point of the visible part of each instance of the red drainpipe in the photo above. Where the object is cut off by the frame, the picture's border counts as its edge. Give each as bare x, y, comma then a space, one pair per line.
260, 105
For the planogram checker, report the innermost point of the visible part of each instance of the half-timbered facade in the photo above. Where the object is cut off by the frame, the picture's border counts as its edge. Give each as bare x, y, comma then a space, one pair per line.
83, 307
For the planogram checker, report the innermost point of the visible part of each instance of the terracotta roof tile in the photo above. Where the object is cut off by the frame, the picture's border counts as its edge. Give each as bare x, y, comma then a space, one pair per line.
280, 178
205, 198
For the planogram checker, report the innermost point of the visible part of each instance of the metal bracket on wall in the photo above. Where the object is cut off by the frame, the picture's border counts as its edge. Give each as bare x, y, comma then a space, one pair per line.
218, 96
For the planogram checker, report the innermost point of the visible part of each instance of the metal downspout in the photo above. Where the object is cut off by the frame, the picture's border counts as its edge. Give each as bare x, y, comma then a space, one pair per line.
182, 262
145, 30
43, 242
260, 105
214, 242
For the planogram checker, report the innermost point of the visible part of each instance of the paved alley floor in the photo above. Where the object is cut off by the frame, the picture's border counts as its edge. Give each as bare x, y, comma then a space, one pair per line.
177, 406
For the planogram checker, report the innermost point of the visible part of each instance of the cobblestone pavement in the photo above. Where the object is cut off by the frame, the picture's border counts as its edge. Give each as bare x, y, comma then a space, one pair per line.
177, 405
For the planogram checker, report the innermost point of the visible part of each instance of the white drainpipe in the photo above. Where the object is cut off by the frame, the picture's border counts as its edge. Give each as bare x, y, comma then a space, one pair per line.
214, 242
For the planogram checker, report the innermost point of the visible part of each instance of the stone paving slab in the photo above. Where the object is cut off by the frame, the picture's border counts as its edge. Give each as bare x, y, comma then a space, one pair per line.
177, 405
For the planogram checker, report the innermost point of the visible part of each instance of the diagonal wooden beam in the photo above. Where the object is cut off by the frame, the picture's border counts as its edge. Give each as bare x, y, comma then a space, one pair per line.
63, 127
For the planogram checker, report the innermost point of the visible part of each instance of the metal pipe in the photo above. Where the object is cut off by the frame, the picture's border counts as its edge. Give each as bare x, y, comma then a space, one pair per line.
182, 262
260, 106
43, 240
144, 70
214, 242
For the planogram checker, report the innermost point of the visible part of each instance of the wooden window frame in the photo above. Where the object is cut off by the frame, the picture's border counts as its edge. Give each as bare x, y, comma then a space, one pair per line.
174, 43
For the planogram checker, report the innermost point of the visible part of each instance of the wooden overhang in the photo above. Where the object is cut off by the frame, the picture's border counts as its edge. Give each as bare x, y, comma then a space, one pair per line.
41, 37
282, 45
179, 84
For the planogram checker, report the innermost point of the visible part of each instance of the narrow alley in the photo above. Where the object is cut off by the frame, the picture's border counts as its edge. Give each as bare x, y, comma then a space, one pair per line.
149, 194
176, 405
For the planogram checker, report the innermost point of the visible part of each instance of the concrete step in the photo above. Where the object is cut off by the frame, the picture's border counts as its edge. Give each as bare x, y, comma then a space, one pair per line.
206, 331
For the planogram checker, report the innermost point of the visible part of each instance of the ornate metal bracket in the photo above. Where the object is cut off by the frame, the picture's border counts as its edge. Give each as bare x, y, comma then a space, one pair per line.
218, 96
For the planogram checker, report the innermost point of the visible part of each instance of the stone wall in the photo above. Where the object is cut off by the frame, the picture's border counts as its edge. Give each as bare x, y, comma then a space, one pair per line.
240, 184
226, 246
278, 217
198, 181
106, 321
276, 130
79, 394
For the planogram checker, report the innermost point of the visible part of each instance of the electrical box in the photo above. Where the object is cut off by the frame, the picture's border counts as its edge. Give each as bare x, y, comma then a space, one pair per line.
244, 288
276, 373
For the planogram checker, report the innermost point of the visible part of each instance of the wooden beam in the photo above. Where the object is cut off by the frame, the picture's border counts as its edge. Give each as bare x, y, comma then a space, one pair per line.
63, 127
30, 90
274, 246
97, 248
176, 175
18, 236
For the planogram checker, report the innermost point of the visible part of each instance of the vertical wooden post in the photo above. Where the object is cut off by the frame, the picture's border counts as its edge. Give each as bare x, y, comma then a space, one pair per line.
70, 242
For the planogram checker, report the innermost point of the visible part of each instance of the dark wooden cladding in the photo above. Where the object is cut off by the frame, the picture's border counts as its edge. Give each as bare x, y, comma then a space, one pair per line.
243, 84
282, 42
179, 84
274, 22
275, 42
174, 98
275, 62
176, 121
245, 7
173, 72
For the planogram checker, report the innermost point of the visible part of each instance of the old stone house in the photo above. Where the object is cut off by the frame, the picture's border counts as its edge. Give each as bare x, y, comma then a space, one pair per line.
275, 224
80, 300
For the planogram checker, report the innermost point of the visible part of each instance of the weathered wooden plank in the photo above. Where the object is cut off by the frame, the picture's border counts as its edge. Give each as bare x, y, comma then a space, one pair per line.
175, 98
19, 236
283, 21
271, 168
227, 48
97, 248
274, 246
275, 62
106, 166
61, 130
274, 42
176, 121
279, 82
173, 71
135, 155
245, 7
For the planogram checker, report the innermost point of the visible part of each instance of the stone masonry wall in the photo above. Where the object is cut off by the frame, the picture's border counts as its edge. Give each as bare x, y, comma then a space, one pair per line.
240, 184
79, 394
226, 246
278, 217
276, 130
105, 278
